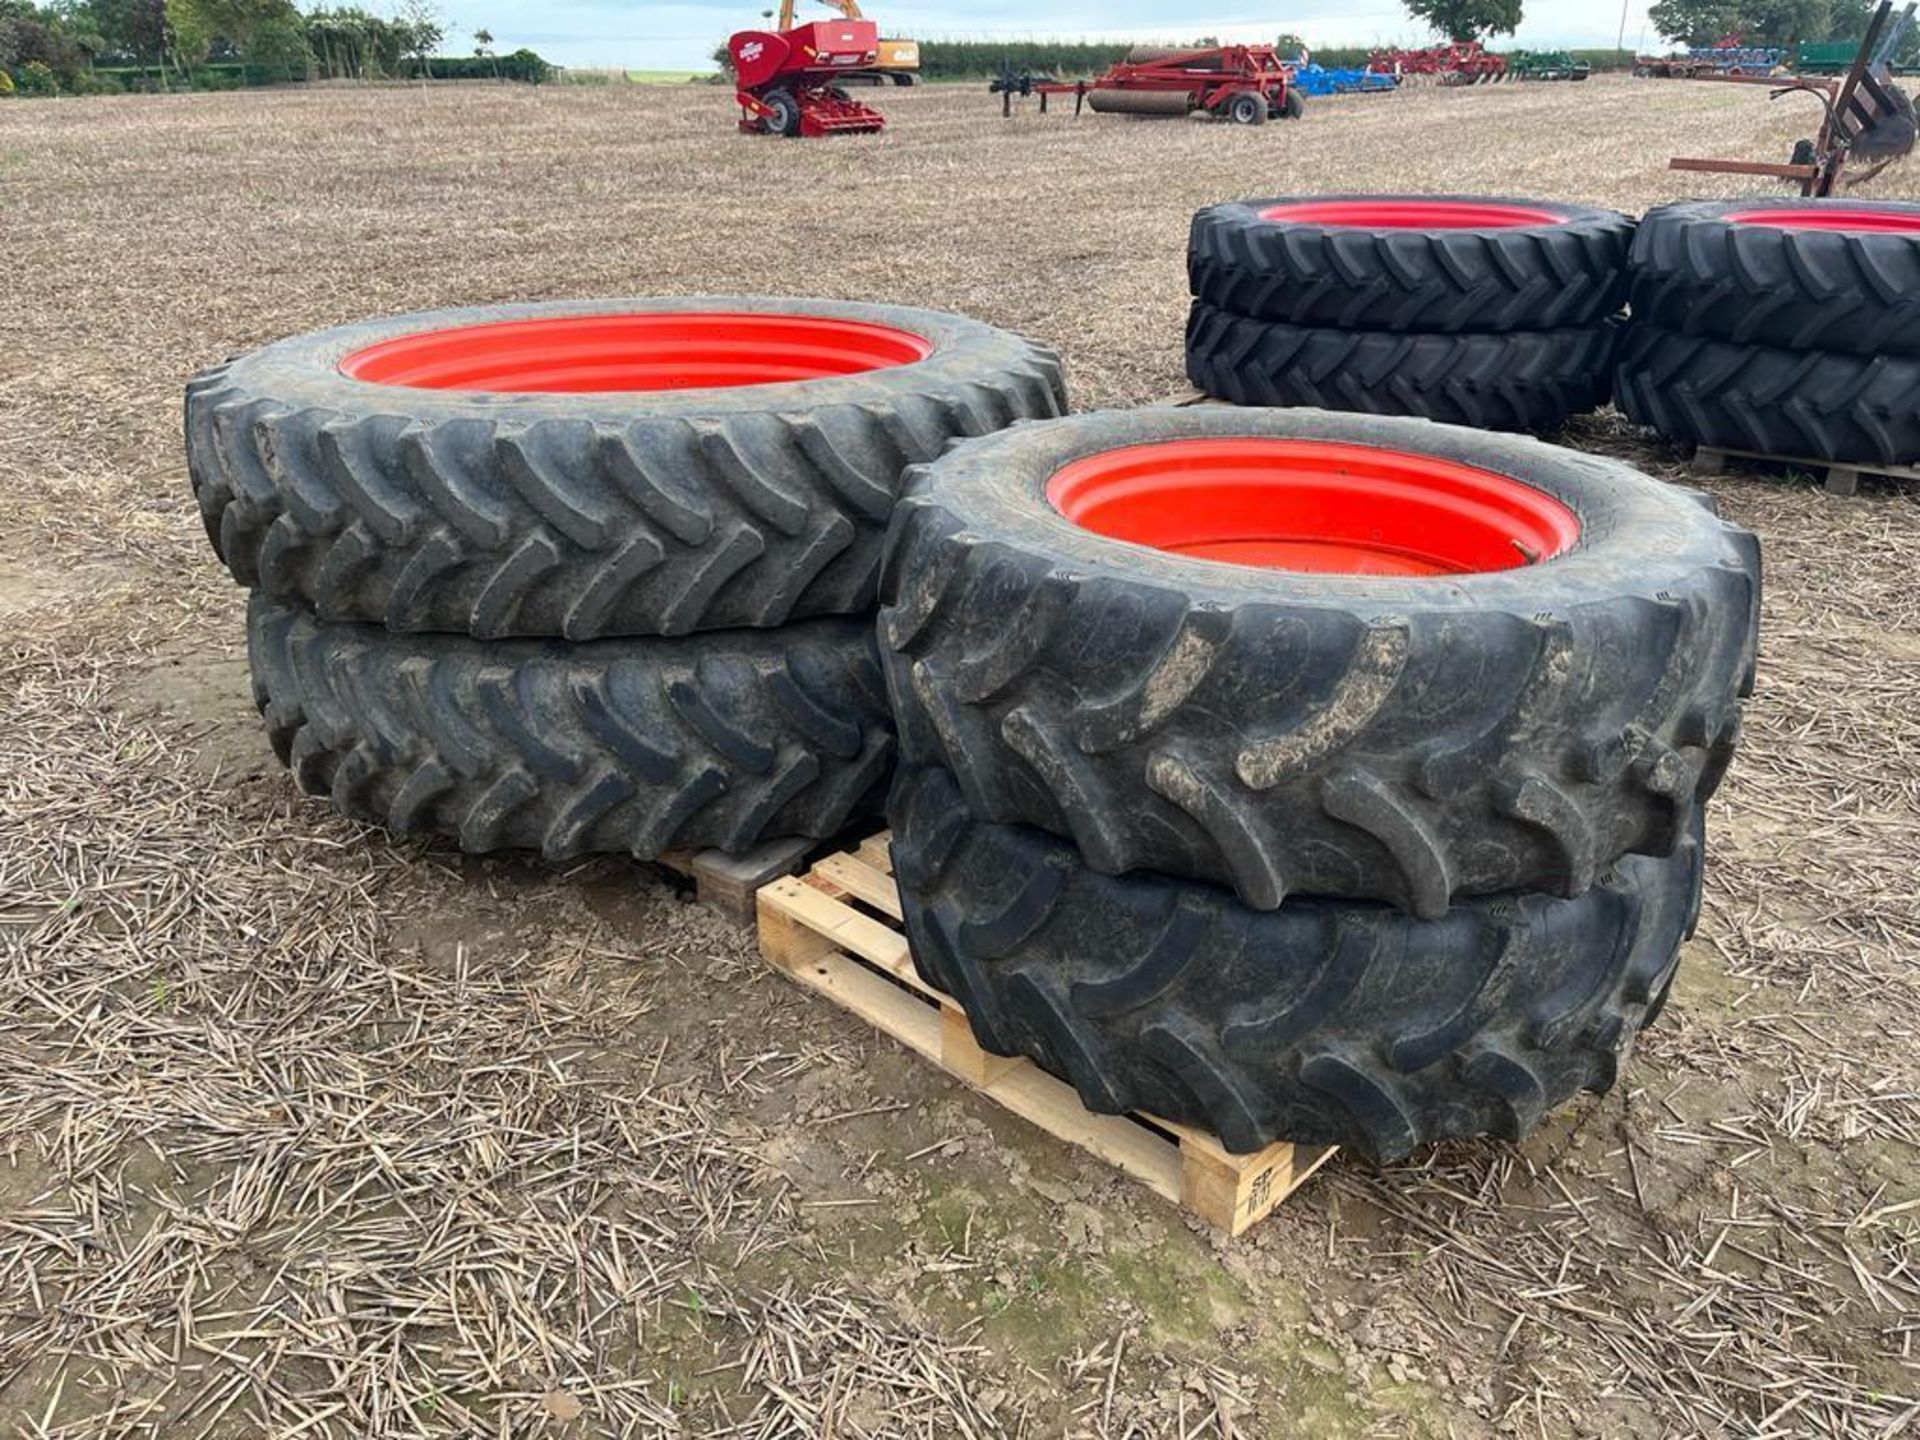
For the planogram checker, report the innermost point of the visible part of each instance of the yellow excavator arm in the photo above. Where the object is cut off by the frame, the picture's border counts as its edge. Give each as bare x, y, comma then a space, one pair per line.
847, 8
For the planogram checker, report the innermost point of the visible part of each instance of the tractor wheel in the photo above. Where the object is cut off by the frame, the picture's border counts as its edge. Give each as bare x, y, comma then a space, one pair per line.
1294, 105
784, 118
1799, 404
539, 469
614, 746
1321, 1022
1303, 653
1411, 263
1533, 380
1245, 109
1839, 275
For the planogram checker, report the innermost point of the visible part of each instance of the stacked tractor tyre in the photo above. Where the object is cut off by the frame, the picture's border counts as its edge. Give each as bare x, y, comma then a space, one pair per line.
1307, 776
1786, 328
585, 578
1498, 314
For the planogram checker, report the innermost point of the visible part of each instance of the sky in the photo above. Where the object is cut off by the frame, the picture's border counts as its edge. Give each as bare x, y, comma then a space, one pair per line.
608, 34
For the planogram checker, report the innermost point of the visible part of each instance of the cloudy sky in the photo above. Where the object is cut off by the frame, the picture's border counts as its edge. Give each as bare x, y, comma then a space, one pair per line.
671, 36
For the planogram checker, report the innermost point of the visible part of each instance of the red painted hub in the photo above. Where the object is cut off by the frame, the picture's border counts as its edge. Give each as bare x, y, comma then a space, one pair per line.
1313, 505
658, 350
1411, 214
1833, 217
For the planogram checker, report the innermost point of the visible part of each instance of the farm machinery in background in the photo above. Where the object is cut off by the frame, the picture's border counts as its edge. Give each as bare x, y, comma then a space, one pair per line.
1317, 80
896, 62
1243, 84
1731, 55
1461, 63
1546, 65
1868, 119
789, 82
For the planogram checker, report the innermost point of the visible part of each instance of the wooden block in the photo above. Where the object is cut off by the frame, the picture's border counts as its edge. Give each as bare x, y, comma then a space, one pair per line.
1842, 480
839, 926
1708, 461
727, 882
786, 941
1239, 1191
877, 851
961, 1055
1185, 399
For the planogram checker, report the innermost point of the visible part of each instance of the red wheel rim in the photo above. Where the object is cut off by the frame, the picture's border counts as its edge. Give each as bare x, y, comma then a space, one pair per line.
1313, 505
1832, 217
1411, 213
661, 350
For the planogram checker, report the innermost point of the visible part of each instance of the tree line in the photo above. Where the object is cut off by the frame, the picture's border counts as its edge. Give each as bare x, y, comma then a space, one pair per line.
101, 46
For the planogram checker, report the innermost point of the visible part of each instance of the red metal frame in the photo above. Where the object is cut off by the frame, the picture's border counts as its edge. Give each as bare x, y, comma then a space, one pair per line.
1209, 77
804, 62
1464, 63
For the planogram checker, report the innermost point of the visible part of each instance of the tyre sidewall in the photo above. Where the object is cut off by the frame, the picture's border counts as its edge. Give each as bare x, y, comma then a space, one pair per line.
304, 370
1634, 531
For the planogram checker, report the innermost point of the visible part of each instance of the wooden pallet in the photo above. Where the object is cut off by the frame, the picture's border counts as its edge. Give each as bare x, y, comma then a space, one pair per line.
837, 932
1840, 479
726, 884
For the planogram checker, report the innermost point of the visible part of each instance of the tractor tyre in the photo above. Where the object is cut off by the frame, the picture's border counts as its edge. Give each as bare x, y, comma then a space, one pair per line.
1414, 263
785, 116
1532, 380
1304, 653
1245, 109
610, 746
1321, 1022
1840, 275
1800, 405
537, 469
1293, 106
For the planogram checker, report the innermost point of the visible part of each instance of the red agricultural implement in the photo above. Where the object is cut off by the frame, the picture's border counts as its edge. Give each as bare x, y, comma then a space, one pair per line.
1245, 84
1868, 120
786, 80
1467, 63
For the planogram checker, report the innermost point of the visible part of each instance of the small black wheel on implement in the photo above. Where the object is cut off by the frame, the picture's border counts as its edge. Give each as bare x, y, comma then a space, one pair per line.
1245, 109
784, 113
1293, 105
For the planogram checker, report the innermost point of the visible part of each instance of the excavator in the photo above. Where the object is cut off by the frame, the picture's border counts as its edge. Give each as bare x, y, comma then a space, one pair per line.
898, 62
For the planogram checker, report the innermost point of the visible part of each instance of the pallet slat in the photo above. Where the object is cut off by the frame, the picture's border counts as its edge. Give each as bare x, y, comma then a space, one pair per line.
1841, 477
810, 930
861, 880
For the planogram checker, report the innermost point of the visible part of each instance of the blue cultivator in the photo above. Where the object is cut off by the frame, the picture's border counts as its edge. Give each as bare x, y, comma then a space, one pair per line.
1318, 80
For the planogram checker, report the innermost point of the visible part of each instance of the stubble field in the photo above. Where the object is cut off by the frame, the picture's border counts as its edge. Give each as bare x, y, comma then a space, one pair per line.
308, 1132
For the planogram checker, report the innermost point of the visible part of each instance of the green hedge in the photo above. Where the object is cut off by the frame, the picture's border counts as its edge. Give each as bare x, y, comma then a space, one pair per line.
522, 65
979, 59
